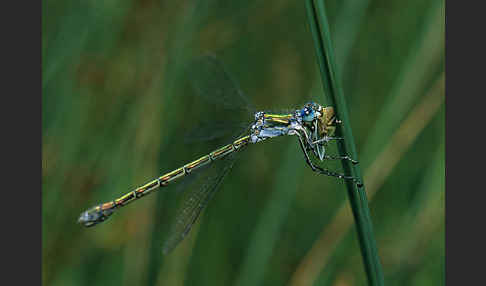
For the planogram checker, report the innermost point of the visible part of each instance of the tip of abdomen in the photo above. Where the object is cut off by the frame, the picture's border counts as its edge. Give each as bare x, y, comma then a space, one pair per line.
94, 216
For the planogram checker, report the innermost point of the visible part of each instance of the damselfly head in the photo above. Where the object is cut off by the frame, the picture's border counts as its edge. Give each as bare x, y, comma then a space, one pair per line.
320, 120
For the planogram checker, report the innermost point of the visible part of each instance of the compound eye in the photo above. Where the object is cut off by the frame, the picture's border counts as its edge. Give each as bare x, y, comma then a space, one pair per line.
307, 114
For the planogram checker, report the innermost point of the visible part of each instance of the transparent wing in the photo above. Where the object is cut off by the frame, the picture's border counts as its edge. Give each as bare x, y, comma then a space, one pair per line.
224, 112
212, 82
196, 200
215, 130
212, 88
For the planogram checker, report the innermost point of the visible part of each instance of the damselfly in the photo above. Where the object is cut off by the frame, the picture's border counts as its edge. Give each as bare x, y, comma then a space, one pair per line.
313, 125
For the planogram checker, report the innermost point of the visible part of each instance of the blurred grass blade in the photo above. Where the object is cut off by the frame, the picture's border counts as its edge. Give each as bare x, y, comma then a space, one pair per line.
385, 162
346, 29
189, 16
357, 197
424, 219
266, 233
424, 56
421, 226
380, 162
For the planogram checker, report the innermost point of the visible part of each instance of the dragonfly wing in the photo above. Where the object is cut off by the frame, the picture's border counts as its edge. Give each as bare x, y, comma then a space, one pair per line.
216, 130
213, 85
195, 202
213, 93
211, 81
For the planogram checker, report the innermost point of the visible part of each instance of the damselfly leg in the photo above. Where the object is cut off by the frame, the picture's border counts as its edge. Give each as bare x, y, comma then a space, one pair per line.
305, 147
326, 139
337, 157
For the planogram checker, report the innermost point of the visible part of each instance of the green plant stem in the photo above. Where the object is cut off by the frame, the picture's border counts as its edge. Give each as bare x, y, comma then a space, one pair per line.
316, 15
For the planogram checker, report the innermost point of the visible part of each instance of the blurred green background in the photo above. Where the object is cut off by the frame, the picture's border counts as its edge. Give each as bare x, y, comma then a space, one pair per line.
115, 114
